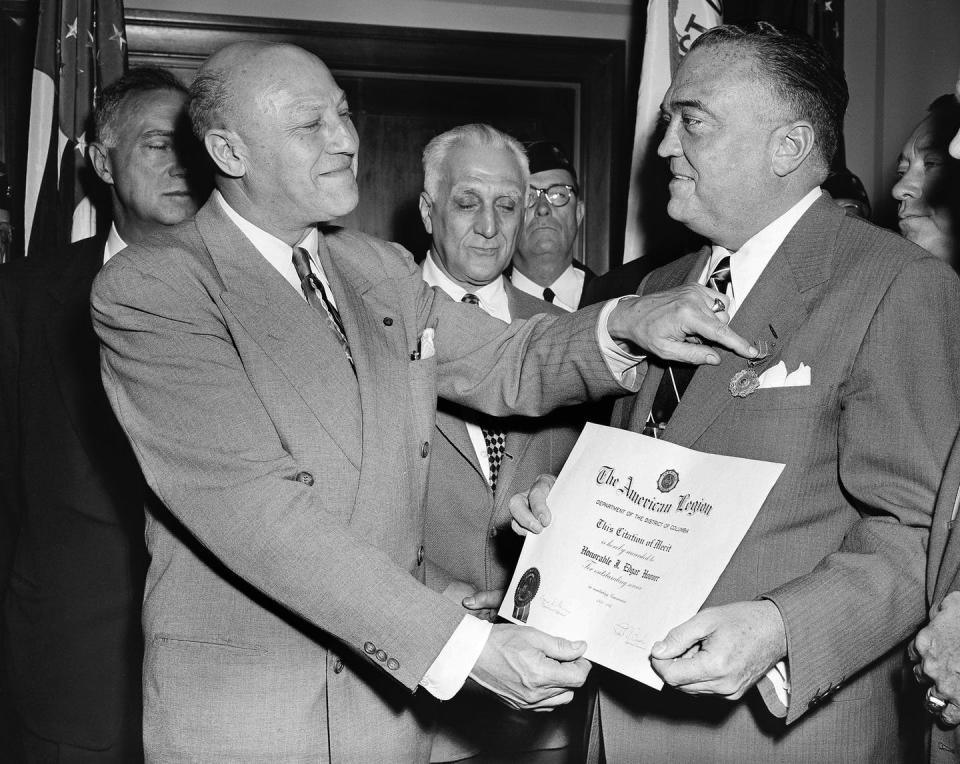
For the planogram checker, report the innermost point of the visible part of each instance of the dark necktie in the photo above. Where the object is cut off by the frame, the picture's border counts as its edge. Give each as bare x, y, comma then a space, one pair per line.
494, 439
677, 376
317, 297
548, 294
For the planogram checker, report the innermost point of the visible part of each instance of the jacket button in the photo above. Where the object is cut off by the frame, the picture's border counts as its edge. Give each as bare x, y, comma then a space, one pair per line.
304, 477
493, 533
393, 664
425, 449
338, 667
420, 555
387, 321
381, 655
369, 648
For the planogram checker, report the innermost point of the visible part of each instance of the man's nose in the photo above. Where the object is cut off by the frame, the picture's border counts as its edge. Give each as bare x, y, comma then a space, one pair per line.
542, 207
908, 187
486, 223
669, 145
343, 138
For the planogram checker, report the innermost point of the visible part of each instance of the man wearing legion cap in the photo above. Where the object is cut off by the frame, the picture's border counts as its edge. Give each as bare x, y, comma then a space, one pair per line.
543, 265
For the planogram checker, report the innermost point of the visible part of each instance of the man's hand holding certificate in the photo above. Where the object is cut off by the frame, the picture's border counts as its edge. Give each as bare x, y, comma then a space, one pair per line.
637, 533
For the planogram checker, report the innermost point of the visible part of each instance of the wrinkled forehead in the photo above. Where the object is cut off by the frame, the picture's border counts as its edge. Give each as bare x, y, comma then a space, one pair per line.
284, 78
486, 168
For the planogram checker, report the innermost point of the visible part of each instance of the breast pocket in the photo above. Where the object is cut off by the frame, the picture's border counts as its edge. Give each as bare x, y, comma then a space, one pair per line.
779, 398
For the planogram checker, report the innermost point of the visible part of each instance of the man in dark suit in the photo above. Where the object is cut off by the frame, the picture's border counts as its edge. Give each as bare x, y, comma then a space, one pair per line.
936, 648
543, 265
480, 462
798, 652
71, 493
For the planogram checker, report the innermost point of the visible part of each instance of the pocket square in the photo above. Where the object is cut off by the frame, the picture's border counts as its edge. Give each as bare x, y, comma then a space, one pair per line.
777, 376
425, 343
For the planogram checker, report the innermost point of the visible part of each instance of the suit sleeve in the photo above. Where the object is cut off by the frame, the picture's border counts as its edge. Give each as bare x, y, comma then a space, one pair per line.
526, 368
10, 503
899, 416
210, 451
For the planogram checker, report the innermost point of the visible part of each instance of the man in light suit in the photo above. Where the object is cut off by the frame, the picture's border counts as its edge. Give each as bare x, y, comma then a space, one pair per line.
278, 383
73, 562
473, 474
797, 654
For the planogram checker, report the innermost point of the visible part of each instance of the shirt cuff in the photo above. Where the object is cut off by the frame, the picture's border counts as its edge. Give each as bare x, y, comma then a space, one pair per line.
622, 365
450, 670
775, 689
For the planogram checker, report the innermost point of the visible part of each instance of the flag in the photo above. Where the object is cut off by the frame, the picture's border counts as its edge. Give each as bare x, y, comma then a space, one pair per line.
672, 26
81, 48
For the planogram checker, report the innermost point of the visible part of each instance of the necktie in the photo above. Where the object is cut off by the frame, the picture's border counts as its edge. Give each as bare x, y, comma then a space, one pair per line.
312, 287
494, 439
677, 376
548, 294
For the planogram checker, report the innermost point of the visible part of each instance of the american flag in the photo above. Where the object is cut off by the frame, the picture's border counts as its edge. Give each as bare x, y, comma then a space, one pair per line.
672, 26
81, 48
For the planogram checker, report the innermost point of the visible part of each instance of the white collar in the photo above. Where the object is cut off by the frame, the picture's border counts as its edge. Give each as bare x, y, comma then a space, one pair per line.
748, 263
492, 296
275, 251
114, 243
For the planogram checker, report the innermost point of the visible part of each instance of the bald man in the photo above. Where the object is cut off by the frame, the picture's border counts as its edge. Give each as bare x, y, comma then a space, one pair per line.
278, 382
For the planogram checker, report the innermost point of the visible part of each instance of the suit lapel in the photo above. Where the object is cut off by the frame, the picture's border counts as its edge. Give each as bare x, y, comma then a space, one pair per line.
943, 557
285, 327
71, 342
780, 299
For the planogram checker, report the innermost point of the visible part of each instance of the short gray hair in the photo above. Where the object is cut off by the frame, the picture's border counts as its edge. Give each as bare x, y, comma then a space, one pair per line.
115, 97
473, 135
209, 97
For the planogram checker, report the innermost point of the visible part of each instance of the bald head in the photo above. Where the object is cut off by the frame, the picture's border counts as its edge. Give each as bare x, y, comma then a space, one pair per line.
279, 131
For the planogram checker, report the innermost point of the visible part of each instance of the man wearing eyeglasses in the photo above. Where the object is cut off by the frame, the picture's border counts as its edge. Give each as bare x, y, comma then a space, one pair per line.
543, 265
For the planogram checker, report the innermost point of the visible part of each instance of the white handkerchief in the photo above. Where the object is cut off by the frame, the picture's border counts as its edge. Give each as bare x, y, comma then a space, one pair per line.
427, 350
777, 376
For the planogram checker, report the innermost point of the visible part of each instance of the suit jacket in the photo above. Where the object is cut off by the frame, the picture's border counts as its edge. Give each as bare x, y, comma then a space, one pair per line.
285, 616
588, 277
469, 539
71, 502
618, 282
943, 577
839, 544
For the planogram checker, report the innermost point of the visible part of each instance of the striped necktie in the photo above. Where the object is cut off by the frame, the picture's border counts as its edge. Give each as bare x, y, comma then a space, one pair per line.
495, 440
317, 297
549, 294
677, 376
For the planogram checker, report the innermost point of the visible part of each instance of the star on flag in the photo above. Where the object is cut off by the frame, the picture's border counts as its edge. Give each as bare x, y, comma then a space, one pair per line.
71, 30
118, 36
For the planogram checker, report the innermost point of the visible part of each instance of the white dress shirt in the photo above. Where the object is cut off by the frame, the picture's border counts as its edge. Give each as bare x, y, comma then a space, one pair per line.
567, 288
746, 266
114, 243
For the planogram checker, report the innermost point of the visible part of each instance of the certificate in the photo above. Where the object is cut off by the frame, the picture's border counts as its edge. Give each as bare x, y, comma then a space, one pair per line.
640, 533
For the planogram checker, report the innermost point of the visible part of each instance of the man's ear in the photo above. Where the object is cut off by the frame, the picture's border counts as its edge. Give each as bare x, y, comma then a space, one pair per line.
100, 161
793, 143
227, 151
580, 210
426, 204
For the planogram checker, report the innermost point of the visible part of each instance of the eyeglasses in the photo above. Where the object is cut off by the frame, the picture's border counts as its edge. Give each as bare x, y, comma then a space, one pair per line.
558, 194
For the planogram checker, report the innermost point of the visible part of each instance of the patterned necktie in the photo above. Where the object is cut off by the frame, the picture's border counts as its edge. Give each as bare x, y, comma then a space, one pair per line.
548, 294
312, 287
677, 376
495, 440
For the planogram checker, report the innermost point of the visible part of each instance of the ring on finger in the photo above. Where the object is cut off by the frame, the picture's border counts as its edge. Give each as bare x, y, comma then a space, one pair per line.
718, 306
933, 703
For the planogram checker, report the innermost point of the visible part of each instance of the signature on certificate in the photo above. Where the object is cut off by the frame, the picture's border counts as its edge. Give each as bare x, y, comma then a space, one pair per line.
630, 634
556, 606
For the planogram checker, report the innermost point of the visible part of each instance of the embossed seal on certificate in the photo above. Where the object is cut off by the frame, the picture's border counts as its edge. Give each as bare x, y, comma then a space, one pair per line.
526, 590
667, 481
